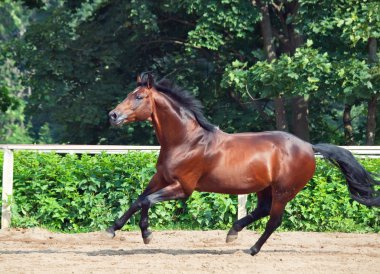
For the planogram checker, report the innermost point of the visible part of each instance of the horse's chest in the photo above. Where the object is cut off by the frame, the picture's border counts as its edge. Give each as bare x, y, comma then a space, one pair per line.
180, 166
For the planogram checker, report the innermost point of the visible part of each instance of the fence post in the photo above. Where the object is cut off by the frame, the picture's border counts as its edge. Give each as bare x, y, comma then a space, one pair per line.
7, 188
242, 201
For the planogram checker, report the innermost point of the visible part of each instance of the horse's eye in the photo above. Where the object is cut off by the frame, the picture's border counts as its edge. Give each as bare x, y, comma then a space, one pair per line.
139, 97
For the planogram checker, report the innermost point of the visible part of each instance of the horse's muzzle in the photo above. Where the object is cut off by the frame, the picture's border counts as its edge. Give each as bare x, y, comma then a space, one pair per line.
116, 118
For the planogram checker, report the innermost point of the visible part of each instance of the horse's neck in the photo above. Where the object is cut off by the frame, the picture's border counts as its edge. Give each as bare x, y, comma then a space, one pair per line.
173, 124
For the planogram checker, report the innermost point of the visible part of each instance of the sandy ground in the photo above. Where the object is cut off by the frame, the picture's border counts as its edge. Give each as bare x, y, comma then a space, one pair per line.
41, 251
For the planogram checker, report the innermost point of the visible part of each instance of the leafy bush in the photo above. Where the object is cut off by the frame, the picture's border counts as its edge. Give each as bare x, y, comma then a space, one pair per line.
84, 193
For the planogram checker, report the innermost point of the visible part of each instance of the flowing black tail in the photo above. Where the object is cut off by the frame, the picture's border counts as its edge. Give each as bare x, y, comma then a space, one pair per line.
360, 182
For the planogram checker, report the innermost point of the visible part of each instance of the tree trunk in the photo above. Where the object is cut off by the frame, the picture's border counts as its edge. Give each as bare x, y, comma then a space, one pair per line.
290, 40
348, 130
371, 121
372, 50
300, 124
300, 106
281, 123
372, 103
266, 31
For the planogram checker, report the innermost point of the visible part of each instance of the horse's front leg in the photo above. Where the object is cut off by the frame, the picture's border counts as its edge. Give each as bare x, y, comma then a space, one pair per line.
153, 186
171, 192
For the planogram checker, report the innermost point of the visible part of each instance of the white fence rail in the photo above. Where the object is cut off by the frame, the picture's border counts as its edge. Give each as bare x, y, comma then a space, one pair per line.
361, 151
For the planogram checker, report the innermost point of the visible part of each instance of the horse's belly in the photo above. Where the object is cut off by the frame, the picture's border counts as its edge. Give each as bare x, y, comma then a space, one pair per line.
232, 182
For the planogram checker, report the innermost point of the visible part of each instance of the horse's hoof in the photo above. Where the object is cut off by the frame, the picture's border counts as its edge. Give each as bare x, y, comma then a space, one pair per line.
232, 235
148, 238
110, 233
231, 238
254, 250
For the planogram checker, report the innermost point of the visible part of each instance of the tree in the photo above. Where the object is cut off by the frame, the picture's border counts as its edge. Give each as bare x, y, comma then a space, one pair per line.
270, 51
372, 102
299, 66
13, 22
359, 24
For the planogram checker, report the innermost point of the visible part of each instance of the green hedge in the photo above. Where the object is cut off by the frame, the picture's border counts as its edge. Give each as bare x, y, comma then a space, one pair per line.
75, 193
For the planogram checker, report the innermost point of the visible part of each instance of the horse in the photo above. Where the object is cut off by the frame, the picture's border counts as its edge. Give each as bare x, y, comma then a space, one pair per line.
197, 156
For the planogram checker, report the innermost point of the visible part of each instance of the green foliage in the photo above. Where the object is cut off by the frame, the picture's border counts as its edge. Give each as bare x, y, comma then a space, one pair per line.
13, 127
10, 78
84, 193
13, 19
44, 136
13, 22
349, 23
301, 74
221, 22
358, 20
66, 64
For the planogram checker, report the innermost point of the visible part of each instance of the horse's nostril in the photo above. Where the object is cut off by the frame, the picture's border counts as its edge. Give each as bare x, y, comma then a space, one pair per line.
113, 115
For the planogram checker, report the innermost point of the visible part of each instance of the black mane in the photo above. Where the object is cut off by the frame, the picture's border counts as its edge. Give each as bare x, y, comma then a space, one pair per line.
185, 99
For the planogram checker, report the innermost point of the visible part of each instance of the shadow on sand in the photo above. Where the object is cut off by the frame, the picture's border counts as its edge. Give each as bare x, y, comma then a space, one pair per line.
145, 251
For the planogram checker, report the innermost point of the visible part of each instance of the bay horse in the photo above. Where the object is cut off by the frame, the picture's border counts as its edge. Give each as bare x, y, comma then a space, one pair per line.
197, 156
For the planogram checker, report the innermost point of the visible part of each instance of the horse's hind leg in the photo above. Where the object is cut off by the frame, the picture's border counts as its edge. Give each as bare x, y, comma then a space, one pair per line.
119, 223
274, 222
264, 202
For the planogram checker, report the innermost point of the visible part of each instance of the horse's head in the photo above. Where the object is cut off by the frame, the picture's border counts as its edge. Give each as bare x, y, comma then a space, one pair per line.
138, 104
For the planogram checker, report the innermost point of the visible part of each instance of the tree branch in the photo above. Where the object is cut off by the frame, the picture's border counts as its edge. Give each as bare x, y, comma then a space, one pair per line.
183, 22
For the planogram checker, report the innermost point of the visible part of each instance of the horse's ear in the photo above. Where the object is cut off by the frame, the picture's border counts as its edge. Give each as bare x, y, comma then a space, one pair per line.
138, 79
150, 81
